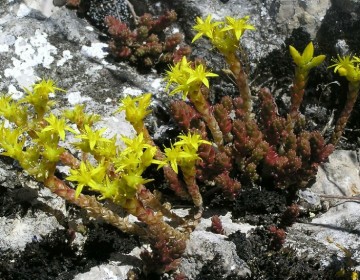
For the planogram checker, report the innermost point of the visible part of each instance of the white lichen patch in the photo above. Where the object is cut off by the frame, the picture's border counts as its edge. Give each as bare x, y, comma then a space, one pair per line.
45, 7
23, 11
116, 126
4, 48
111, 271
76, 98
29, 53
66, 55
156, 84
95, 51
6, 40
15, 94
132, 91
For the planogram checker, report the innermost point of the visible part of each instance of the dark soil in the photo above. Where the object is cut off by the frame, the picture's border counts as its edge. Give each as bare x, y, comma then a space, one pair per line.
54, 256
283, 264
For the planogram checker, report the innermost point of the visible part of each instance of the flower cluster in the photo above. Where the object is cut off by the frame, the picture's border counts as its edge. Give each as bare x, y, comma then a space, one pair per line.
268, 147
187, 79
224, 36
136, 109
184, 153
34, 136
348, 66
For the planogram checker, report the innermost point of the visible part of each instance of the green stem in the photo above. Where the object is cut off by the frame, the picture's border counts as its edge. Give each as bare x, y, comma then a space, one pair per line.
241, 79
203, 107
174, 183
93, 207
150, 200
345, 114
297, 92
173, 241
189, 173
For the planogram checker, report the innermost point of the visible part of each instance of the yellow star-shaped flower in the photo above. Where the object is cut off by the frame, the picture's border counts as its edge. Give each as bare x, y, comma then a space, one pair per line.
205, 27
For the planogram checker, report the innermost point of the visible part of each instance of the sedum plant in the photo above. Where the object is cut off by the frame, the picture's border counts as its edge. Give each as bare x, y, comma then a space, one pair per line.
225, 143
146, 45
348, 67
249, 149
33, 136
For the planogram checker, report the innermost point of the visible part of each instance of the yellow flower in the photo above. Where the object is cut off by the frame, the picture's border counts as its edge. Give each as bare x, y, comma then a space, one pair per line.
356, 59
109, 188
204, 27
193, 141
137, 156
134, 180
348, 67
11, 143
52, 153
87, 175
306, 61
108, 150
127, 162
186, 78
136, 109
342, 64
173, 156
184, 152
238, 26
224, 42
79, 117
147, 158
199, 74
178, 73
58, 126
90, 138
44, 87
135, 145
13, 111
39, 96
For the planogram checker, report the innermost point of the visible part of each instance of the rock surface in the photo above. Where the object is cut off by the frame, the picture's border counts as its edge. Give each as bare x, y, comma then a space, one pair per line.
339, 225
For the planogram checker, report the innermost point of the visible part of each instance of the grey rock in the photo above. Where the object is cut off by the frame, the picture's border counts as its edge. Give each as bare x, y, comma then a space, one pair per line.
45, 7
203, 247
59, 3
112, 271
274, 20
8, 176
16, 233
340, 224
339, 176
228, 224
342, 47
309, 200
319, 238
307, 14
